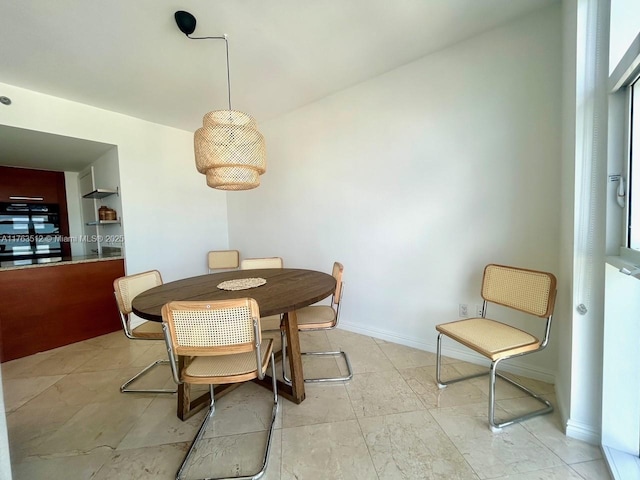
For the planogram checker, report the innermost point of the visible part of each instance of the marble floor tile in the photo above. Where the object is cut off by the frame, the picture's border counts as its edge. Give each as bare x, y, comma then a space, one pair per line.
30, 425
364, 353
246, 409
388, 422
334, 451
323, 404
110, 340
23, 367
18, 391
514, 450
504, 389
149, 463
381, 393
235, 455
78, 389
94, 425
158, 377
548, 429
593, 470
422, 381
555, 473
412, 446
402, 356
159, 425
72, 467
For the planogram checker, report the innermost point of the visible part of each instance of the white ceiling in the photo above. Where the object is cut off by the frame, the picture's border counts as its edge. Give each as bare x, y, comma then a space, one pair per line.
29, 149
129, 56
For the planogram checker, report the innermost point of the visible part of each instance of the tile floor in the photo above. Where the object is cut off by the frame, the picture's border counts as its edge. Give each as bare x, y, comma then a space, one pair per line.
68, 420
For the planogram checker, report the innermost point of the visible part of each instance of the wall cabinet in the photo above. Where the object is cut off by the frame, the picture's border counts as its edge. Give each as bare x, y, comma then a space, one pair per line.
31, 186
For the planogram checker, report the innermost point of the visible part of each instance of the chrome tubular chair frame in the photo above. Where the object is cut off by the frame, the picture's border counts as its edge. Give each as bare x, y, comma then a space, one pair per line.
336, 302
260, 375
123, 300
493, 367
124, 388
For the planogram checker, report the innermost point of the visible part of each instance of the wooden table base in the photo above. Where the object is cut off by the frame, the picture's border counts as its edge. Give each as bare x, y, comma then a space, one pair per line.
294, 392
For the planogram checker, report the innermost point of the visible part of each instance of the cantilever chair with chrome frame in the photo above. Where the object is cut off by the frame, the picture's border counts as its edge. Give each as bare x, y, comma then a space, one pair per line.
223, 343
125, 289
321, 317
529, 291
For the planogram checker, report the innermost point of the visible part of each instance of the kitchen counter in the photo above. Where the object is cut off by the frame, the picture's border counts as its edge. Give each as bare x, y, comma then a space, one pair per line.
42, 307
56, 261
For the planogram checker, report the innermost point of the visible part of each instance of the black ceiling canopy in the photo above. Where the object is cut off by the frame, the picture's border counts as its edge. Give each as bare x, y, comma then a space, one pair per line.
186, 22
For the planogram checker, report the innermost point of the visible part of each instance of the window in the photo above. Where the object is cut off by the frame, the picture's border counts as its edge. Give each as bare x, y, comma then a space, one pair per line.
633, 173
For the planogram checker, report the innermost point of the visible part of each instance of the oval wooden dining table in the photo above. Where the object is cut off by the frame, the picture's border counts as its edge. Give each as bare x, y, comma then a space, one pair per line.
285, 291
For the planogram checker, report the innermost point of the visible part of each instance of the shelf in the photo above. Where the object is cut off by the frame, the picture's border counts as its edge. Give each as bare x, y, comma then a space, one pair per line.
101, 193
105, 222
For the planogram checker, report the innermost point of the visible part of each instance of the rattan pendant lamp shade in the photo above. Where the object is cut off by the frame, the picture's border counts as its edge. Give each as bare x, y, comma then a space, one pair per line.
229, 150
228, 147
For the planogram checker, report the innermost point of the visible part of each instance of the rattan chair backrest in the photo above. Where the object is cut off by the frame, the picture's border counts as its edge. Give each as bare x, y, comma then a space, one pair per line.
213, 328
221, 259
337, 272
529, 291
128, 287
255, 263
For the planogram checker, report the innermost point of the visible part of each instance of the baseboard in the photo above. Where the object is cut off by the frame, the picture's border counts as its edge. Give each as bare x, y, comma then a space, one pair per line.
459, 353
582, 431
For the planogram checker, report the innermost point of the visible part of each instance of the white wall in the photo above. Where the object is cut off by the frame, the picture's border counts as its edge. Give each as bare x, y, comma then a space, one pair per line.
74, 212
624, 23
172, 217
583, 218
418, 178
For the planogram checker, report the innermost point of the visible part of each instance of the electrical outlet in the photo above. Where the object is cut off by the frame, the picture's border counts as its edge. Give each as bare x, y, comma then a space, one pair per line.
478, 311
463, 310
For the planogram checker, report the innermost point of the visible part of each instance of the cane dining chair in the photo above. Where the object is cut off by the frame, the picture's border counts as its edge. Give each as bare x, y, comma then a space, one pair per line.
125, 290
530, 291
321, 317
255, 263
223, 344
223, 260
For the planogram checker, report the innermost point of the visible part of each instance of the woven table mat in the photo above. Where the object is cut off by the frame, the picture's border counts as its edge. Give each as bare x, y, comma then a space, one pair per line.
241, 284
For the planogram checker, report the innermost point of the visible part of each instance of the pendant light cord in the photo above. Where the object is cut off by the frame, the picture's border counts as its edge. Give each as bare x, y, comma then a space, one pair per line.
226, 43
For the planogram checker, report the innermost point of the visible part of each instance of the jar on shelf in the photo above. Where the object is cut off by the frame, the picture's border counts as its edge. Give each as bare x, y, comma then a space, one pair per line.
111, 214
102, 212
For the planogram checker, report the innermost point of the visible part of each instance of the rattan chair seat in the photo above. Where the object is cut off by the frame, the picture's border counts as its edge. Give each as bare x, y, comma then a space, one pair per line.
149, 330
220, 368
490, 338
316, 316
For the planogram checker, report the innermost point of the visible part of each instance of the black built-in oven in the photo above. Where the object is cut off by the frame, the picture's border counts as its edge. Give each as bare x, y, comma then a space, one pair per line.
30, 232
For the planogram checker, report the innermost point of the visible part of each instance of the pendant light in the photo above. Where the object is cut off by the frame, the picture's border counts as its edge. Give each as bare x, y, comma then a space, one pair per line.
228, 147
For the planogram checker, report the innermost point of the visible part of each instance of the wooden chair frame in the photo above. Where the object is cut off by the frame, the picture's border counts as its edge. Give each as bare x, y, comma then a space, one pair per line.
510, 287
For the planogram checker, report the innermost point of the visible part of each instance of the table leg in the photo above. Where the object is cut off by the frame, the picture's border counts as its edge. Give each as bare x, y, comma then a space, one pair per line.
294, 355
188, 407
